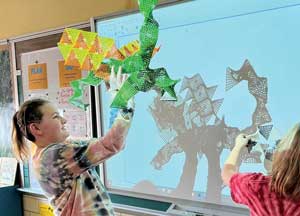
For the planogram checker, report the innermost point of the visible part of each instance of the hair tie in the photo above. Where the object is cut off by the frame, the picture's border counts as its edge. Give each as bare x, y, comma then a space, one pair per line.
20, 124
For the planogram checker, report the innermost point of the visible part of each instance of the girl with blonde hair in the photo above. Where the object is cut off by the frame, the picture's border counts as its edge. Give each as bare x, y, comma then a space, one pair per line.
65, 169
277, 193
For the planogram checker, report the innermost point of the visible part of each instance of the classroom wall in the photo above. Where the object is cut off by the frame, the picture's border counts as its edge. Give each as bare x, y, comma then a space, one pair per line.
19, 17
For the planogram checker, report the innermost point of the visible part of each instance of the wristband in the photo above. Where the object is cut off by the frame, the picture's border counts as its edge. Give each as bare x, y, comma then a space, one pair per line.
127, 113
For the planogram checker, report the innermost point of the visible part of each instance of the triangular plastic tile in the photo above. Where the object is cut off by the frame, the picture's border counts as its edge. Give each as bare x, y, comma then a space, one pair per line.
130, 48
80, 55
87, 63
96, 60
73, 34
72, 60
65, 50
216, 105
80, 42
265, 130
196, 81
102, 72
96, 47
211, 91
189, 95
167, 97
106, 44
230, 80
207, 118
65, 39
89, 37
115, 53
184, 84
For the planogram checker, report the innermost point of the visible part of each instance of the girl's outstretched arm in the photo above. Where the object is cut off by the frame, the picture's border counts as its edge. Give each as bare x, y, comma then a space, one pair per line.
230, 165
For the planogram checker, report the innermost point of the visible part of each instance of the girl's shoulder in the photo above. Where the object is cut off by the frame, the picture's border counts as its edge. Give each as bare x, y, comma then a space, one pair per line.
254, 177
51, 150
250, 179
70, 143
53, 146
59, 149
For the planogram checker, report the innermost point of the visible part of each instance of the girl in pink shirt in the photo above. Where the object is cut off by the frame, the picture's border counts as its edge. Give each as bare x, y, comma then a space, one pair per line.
277, 194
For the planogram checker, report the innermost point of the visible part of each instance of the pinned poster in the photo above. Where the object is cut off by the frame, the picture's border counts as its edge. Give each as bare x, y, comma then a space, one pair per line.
37, 76
63, 96
76, 123
8, 169
40, 94
67, 74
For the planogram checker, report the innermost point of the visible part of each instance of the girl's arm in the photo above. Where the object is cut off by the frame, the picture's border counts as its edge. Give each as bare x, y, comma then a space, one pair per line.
101, 149
230, 165
73, 159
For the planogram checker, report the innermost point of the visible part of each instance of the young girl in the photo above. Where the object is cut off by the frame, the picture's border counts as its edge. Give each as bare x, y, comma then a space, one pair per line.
274, 194
65, 169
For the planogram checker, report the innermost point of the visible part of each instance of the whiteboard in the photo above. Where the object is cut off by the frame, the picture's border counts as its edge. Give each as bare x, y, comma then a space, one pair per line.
78, 121
238, 64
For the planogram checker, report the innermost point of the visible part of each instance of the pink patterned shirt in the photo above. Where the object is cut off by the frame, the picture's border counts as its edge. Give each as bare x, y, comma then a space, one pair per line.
252, 189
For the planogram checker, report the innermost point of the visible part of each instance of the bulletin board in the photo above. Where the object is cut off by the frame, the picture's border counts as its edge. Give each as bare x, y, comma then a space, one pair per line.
44, 75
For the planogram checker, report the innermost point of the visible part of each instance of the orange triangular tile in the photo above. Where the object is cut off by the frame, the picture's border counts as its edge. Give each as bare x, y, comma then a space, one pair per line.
96, 47
72, 60
80, 42
115, 53
87, 63
65, 39
103, 73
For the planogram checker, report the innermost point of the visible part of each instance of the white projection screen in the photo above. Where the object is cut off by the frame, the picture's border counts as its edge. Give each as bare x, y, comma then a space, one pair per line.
238, 65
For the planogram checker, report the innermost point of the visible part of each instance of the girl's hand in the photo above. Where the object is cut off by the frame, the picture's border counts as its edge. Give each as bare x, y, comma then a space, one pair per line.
241, 141
116, 80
